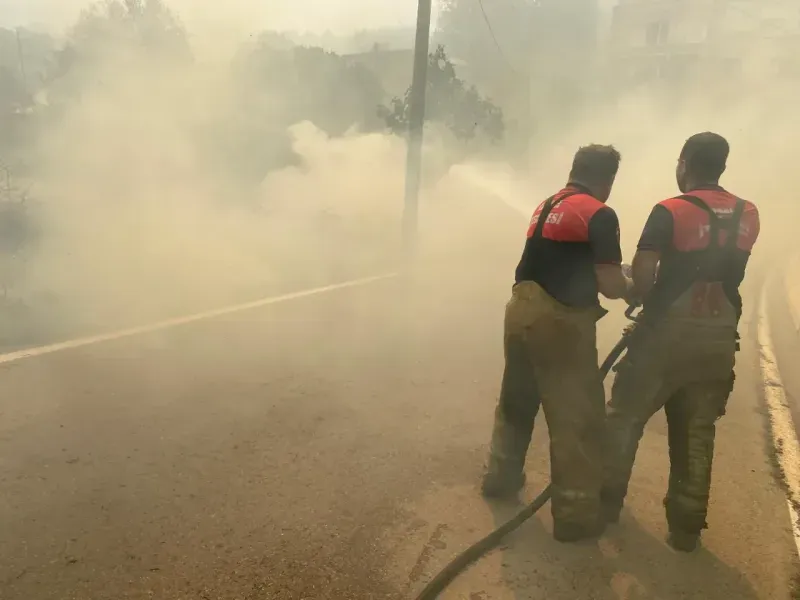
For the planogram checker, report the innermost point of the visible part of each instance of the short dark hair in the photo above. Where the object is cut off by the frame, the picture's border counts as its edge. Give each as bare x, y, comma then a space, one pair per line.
595, 164
706, 155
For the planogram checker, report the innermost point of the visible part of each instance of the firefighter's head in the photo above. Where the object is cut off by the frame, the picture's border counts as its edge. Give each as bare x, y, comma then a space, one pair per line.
702, 161
595, 167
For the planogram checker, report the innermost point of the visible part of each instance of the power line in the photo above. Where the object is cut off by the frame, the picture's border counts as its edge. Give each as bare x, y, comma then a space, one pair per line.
494, 38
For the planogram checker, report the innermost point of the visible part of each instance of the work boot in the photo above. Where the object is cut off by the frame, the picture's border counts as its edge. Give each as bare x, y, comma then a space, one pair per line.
501, 485
568, 533
683, 541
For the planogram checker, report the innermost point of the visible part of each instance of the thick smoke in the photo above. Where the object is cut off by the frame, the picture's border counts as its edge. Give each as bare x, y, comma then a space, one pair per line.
140, 221
237, 16
141, 210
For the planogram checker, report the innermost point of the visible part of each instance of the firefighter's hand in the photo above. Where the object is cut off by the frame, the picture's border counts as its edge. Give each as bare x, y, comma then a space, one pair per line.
631, 297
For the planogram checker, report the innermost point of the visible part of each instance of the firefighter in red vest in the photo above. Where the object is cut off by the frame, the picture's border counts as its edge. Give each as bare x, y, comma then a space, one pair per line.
572, 252
690, 261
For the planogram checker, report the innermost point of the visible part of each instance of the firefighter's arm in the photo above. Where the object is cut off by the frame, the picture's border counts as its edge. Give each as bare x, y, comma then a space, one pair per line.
604, 240
611, 281
655, 239
644, 270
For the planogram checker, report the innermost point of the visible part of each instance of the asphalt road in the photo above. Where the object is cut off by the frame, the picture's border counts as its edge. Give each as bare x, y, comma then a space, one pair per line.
331, 447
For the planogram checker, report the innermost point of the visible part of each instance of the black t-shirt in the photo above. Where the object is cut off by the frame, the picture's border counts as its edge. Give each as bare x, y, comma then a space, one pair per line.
679, 231
579, 233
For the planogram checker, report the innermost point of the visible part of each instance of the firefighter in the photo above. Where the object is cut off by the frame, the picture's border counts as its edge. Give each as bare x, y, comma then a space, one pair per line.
690, 261
572, 252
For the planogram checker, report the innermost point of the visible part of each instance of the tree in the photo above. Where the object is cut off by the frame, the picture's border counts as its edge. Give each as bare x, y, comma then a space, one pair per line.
17, 230
334, 92
537, 55
111, 29
13, 95
490, 40
276, 85
24, 59
451, 101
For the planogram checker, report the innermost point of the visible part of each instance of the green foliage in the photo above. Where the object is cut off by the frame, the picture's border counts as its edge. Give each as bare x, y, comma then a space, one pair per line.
503, 39
334, 92
533, 57
275, 84
492, 52
451, 101
385, 38
18, 231
117, 28
107, 31
25, 57
13, 95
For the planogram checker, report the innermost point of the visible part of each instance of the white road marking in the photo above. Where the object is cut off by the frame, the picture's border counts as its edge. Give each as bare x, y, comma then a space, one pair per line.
211, 314
784, 434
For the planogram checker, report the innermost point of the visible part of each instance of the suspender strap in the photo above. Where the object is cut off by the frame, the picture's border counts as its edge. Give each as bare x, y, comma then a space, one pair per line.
714, 227
549, 205
736, 222
713, 259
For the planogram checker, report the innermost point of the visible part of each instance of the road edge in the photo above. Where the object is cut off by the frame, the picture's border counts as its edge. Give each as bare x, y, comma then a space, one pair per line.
791, 289
781, 421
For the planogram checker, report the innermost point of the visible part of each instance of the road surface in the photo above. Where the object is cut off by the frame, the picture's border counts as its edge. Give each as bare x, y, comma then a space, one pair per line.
331, 447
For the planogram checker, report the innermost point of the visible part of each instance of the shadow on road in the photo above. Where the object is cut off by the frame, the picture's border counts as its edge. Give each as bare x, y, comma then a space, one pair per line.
628, 563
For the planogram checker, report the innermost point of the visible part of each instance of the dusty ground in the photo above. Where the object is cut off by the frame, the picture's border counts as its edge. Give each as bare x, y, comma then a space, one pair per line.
331, 447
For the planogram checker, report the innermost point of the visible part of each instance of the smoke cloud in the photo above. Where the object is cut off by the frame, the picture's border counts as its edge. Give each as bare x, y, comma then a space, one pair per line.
140, 221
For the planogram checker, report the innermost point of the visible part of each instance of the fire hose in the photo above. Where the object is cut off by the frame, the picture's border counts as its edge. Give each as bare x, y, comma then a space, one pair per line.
482, 547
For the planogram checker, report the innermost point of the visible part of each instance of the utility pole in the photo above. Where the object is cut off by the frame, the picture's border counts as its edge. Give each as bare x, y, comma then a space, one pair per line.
416, 124
21, 58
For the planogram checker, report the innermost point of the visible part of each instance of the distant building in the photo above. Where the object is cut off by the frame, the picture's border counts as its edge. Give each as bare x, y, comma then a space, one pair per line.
673, 40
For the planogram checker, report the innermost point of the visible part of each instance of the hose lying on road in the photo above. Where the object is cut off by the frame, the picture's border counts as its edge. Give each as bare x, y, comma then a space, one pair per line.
482, 547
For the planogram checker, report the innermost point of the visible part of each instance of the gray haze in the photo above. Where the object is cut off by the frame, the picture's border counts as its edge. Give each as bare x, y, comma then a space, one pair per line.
338, 16
210, 187
303, 452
